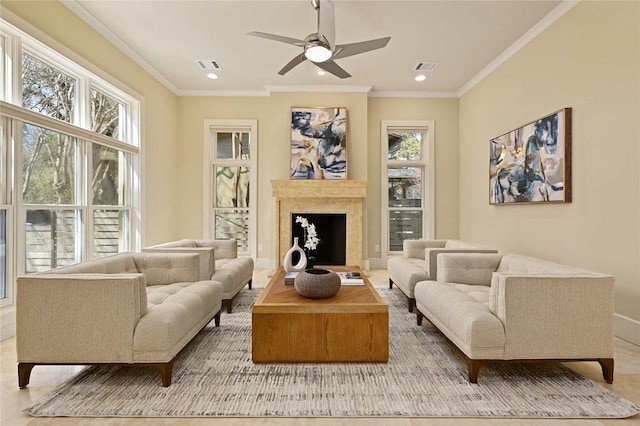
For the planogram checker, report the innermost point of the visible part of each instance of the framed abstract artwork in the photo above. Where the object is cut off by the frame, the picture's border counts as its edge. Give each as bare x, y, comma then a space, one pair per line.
318, 143
532, 164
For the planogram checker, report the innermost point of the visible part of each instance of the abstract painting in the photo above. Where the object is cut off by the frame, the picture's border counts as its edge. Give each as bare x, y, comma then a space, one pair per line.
318, 143
532, 164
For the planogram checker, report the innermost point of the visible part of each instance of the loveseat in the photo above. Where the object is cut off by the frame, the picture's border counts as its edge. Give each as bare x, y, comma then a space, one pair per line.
137, 309
419, 262
517, 309
219, 261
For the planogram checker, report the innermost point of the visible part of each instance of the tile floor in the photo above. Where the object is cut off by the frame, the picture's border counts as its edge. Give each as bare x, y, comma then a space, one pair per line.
44, 378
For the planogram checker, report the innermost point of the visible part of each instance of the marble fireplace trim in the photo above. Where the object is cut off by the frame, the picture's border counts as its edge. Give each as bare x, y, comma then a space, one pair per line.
320, 196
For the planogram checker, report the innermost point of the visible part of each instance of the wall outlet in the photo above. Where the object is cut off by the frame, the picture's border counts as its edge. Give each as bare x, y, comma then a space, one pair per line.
377, 248
260, 247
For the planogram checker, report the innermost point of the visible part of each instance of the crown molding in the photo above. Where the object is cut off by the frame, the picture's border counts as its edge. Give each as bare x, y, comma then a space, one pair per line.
320, 88
527, 37
411, 94
237, 93
104, 31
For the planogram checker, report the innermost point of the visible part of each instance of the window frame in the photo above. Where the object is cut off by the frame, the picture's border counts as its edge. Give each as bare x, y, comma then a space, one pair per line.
210, 160
13, 42
426, 163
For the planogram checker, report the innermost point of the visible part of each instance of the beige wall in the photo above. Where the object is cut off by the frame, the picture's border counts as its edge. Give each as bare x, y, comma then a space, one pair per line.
444, 113
589, 61
73, 38
274, 137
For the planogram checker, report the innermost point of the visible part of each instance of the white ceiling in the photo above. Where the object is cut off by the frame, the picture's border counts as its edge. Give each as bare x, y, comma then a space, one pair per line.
466, 37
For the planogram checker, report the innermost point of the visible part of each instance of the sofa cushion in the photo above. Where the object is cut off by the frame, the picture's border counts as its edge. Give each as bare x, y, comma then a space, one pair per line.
467, 268
462, 313
174, 314
406, 272
161, 268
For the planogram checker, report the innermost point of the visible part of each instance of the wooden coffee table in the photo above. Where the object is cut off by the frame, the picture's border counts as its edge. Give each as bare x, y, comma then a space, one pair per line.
352, 326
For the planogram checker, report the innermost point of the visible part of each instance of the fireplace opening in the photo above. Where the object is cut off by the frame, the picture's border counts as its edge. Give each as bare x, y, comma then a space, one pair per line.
331, 229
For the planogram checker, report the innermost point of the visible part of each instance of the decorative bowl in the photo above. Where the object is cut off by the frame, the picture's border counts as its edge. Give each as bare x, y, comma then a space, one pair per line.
317, 283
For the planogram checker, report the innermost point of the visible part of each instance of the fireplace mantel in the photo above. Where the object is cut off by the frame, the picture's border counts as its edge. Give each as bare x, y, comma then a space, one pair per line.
320, 196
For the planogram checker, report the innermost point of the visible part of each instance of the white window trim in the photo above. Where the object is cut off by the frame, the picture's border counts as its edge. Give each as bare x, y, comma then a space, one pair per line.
428, 218
207, 199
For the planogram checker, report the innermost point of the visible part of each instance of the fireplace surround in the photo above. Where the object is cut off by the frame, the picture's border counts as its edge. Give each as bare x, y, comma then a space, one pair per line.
320, 196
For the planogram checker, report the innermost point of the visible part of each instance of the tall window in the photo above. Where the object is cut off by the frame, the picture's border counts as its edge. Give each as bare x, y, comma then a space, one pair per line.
408, 182
76, 154
231, 182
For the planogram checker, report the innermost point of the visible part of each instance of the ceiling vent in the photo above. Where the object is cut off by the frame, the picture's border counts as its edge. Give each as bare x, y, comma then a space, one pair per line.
209, 64
426, 66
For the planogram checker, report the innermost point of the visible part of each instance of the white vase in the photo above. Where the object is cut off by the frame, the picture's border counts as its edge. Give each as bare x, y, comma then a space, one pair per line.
288, 258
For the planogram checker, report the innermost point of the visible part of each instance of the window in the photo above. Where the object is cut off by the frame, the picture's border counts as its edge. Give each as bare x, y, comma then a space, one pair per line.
407, 182
71, 135
231, 182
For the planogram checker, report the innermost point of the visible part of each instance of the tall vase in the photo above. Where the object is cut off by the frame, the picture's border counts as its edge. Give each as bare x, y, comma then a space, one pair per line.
288, 258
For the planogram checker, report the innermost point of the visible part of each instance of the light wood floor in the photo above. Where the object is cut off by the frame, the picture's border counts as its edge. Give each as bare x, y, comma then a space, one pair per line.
44, 378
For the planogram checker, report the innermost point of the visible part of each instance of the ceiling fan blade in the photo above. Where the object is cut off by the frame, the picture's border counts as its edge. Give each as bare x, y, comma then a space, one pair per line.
345, 50
333, 68
293, 63
282, 39
326, 23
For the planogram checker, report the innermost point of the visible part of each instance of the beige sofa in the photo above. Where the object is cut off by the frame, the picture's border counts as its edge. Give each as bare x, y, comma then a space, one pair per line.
419, 262
136, 309
219, 261
516, 308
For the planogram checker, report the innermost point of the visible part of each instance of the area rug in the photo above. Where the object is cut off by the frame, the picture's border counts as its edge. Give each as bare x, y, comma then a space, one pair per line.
425, 377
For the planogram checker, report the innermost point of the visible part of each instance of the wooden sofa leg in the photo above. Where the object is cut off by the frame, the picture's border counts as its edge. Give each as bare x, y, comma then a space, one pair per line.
419, 317
250, 283
473, 365
411, 303
24, 373
390, 283
216, 318
607, 369
229, 304
166, 370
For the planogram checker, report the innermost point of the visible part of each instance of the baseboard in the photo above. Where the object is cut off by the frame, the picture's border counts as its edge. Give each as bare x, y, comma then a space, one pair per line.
265, 263
377, 263
7, 323
626, 328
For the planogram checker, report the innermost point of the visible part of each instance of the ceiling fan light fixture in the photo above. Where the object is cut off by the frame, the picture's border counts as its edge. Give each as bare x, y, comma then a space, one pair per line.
317, 53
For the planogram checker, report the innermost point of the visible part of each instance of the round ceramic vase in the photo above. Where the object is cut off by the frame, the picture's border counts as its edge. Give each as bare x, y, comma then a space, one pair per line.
288, 258
317, 283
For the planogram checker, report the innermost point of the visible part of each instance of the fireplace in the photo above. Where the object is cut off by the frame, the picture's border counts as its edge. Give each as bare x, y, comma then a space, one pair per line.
305, 197
332, 232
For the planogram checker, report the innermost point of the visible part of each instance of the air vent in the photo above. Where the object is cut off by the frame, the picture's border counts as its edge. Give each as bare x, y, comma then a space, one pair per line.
426, 66
209, 64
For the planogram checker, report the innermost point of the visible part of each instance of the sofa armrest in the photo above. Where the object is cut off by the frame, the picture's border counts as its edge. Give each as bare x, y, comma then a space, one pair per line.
78, 318
415, 248
225, 249
554, 315
431, 258
467, 268
206, 257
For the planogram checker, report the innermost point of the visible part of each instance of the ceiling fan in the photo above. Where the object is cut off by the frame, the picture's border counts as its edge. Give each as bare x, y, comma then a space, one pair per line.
320, 47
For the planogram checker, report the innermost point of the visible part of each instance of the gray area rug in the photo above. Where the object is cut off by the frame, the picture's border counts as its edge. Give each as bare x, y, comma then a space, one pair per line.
214, 376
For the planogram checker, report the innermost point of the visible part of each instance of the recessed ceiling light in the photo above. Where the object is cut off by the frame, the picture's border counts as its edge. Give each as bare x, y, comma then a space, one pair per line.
320, 71
212, 76
421, 77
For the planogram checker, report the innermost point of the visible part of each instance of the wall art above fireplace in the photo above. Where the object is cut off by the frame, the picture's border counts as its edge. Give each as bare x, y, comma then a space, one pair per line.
532, 164
318, 143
